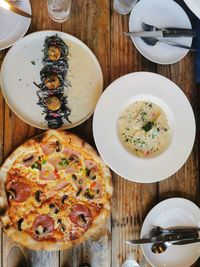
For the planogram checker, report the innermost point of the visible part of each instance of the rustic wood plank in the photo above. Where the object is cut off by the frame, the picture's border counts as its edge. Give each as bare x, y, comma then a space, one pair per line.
2, 107
131, 201
16, 132
185, 182
90, 22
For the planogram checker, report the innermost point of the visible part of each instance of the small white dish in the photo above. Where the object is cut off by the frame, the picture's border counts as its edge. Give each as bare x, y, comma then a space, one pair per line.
172, 212
13, 26
194, 5
84, 76
155, 88
159, 13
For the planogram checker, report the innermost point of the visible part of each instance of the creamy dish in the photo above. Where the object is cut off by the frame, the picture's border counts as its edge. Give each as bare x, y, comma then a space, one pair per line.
144, 129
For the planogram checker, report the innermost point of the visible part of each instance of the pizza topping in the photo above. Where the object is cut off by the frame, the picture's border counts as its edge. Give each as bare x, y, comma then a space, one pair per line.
90, 164
71, 152
80, 215
70, 170
96, 189
29, 159
63, 227
19, 224
39, 196
47, 174
60, 185
51, 147
64, 198
36, 165
20, 191
73, 158
88, 194
91, 174
43, 224
78, 192
54, 208
11, 194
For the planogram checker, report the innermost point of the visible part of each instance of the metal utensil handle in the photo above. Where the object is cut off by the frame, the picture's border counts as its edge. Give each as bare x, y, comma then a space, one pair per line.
181, 236
180, 46
180, 230
174, 32
185, 242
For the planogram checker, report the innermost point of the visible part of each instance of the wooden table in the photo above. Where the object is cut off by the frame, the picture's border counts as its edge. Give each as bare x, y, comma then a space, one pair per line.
96, 24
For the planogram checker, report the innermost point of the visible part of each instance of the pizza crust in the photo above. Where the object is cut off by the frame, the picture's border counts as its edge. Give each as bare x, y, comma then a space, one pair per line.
24, 238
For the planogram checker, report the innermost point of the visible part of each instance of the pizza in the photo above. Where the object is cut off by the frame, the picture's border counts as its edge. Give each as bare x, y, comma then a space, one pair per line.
56, 192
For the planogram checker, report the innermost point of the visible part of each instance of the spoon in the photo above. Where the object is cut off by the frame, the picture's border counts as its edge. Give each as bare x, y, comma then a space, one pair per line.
158, 248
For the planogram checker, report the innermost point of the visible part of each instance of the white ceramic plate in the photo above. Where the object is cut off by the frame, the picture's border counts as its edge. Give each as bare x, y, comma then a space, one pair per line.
160, 13
13, 27
22, 66
194, 5
161, 91
171, 213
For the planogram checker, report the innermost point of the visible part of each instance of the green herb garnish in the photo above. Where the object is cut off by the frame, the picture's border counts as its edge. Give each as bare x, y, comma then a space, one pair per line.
148, 126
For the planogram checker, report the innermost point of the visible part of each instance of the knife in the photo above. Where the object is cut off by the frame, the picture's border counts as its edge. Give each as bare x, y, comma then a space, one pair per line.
167, 32
165, 238
15, 9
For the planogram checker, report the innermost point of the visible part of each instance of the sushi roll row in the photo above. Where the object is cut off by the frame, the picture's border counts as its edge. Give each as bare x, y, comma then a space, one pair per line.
53, 81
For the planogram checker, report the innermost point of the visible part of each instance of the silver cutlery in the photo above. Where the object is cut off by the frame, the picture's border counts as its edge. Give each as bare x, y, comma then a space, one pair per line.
165, 238
158, 230
169, 31
15, 9
153, 41
162, 247
15, 2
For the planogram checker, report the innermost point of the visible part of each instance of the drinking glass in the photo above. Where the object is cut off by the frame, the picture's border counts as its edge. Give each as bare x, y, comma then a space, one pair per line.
59, 10
124, 6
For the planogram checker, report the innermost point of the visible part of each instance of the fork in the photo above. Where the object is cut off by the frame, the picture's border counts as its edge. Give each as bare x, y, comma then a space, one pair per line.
158, 230
15, 2
153, 41
173, 31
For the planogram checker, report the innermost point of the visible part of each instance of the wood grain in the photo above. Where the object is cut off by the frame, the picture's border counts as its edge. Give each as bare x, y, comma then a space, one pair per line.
131, 201
90, 22
96, 24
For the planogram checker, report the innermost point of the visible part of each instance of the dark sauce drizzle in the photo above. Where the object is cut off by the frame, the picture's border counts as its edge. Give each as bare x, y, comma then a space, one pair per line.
56, 70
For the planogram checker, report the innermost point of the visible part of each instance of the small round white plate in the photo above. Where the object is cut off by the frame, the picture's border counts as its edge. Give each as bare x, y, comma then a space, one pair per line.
13, 26
172, 212
166, 94
194, 5
160, 13
22, 65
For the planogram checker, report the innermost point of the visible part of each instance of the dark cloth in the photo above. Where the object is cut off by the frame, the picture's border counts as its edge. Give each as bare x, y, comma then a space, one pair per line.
196, 41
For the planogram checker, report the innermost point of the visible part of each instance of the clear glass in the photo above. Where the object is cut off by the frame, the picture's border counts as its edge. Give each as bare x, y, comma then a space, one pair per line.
59, 10
124, 6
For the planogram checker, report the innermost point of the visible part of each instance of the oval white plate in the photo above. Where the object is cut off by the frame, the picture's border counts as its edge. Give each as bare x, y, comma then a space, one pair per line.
13, 27
166, 94
194, 5
22, 66
160, 13
171, 213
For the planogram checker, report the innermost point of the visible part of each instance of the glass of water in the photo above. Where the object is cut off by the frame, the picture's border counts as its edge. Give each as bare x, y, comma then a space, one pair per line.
59, 10
124, 6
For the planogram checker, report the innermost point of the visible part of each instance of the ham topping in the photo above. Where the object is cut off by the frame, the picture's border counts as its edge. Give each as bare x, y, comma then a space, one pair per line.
90, 164
70, 152
51, 147
47, 175
29, 159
